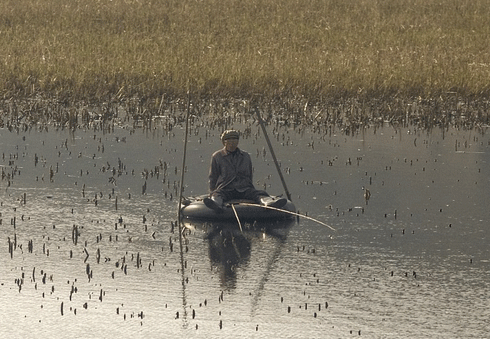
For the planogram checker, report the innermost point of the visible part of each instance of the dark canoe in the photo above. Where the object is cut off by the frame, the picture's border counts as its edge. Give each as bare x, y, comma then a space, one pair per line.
194, 208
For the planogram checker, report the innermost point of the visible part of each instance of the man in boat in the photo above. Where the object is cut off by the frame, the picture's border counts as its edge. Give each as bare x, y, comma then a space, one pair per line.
230, 176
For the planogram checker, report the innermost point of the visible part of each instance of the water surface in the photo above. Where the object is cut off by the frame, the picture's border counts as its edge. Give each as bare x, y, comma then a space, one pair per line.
90, 246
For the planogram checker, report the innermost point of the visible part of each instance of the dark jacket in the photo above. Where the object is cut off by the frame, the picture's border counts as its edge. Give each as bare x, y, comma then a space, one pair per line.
230, 171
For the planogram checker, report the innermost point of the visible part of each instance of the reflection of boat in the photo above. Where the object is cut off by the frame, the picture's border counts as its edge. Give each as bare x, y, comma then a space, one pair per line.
209, 229
230, 247
194, 208
227, 251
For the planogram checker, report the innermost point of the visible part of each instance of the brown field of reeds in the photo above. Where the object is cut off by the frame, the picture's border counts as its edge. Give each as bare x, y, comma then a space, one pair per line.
315, 49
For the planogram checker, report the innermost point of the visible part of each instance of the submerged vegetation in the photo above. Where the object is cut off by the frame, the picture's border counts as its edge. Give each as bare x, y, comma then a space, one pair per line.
353, 54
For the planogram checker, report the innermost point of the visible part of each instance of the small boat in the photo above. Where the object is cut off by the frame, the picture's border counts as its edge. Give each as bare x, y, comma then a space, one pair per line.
246, 210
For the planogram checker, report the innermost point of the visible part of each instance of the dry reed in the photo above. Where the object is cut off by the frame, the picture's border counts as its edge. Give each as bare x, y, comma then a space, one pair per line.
317, 49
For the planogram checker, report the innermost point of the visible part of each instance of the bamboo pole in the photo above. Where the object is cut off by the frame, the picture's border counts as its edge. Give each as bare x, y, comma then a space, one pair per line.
261, 123
237, 218
288, 212
179, 221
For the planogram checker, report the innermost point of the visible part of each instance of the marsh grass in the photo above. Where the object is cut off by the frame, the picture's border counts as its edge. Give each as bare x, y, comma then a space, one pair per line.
316, 49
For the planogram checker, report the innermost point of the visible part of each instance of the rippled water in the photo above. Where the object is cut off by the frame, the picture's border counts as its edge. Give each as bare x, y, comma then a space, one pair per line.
90, 246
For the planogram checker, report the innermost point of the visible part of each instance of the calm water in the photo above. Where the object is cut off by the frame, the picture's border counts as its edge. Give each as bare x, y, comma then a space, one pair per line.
90, 249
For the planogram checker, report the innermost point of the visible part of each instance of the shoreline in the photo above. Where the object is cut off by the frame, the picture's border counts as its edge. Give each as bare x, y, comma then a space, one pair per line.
348, 115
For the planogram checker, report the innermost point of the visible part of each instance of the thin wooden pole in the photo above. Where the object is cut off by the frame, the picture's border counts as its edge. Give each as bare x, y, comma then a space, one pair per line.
261, 122
287, 212
183, 161
236, 216
181, 229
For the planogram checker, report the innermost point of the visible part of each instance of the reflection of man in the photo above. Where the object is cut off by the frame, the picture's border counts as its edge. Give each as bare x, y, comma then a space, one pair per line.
230, 176
227, 252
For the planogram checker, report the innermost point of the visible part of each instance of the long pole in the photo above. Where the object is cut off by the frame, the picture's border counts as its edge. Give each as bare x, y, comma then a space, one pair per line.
183, 160
181, 242
237, 218
261, 122
287, 212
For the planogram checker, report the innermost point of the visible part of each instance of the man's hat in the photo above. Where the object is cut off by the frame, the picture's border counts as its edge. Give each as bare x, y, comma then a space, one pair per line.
230, 134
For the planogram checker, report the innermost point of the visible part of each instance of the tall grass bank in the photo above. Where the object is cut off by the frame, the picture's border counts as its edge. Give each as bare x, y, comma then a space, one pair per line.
316, 50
